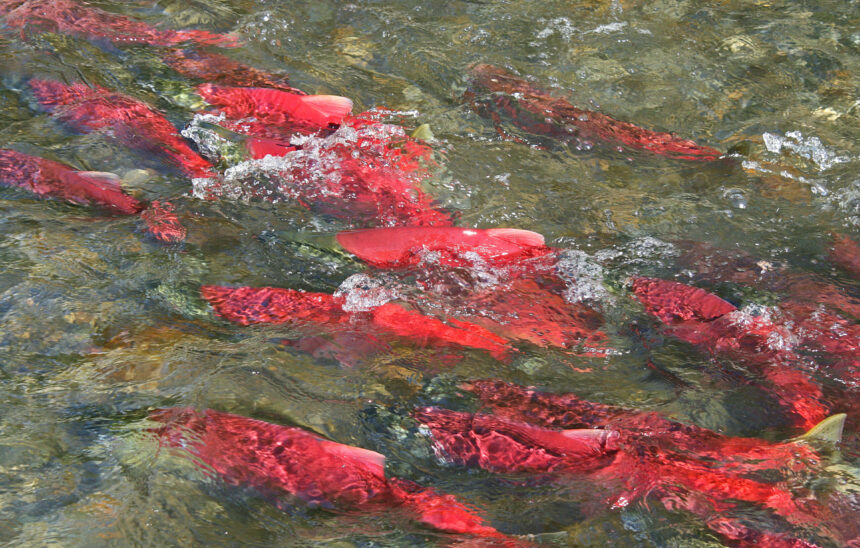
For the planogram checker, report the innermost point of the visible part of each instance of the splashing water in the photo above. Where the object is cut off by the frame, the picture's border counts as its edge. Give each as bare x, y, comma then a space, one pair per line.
810, 148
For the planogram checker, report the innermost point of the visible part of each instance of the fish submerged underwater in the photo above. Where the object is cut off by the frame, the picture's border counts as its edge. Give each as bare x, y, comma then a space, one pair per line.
321, 472
635, 267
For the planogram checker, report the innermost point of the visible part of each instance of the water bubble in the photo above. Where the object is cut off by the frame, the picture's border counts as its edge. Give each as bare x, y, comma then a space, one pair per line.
736, 197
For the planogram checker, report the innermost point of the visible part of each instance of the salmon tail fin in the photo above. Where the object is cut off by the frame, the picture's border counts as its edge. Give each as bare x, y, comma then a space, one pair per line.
162, 223
829, 430
423, 133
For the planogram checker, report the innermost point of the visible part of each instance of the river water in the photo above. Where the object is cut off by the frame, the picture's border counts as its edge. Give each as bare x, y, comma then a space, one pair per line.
100, 324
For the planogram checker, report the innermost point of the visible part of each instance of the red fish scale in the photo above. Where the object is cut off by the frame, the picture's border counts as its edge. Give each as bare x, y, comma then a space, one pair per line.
249, 305
534, 107
130, 121
80, 19
161, 221
53, 179
499, 445
636, 463
214, 67
275, 458
845, 253
697, 317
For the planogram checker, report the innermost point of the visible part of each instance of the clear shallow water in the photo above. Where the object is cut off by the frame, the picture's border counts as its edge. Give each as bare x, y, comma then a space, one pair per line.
98, 325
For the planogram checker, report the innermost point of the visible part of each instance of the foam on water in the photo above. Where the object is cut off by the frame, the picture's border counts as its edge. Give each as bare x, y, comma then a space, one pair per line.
208, 142
356, 171
646, 250
810, 148
754, 315
583, 278
362, 292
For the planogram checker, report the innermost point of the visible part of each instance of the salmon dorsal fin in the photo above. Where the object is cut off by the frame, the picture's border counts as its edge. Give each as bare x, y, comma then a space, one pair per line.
369, 458
103, 178
331, 107
829, 430
517, 236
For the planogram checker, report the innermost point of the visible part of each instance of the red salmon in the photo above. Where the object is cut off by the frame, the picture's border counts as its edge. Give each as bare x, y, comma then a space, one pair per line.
277, 107
501, 445
639, 462
703, 319
81, 19
402, 247
280, 459
55, 180
252, 305
128, 120
364, 171
536, 111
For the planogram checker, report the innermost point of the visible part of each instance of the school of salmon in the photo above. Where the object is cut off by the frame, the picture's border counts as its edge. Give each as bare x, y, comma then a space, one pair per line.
518, 429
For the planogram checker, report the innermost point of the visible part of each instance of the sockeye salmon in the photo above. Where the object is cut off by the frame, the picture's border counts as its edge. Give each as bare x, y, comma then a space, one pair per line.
705, 320
536, 111
131, 122
81, 19
635, 459
49, 179
280, 459
253, 305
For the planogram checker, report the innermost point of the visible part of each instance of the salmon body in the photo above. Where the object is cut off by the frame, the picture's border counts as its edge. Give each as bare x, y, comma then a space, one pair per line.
49, 179
279, 459
636, 454
705, 320
131, 122
253, 305
536, 111
80, 19
502, 445
401, 247
275, 106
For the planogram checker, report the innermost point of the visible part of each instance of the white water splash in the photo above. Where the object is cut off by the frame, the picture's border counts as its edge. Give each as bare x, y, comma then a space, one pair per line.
362, 292
583, 278
757, 316
810, 148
